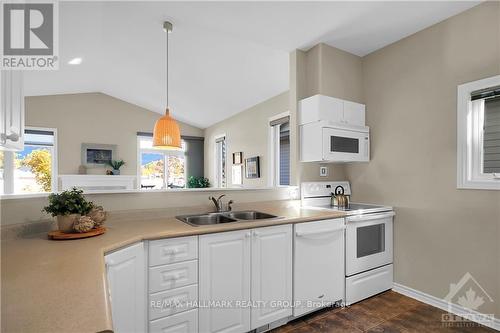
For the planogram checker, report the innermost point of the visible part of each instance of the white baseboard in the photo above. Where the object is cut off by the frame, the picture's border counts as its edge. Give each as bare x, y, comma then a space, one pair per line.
442, 304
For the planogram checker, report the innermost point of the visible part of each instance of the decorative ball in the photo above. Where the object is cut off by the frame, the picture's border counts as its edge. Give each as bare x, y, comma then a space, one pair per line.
98, 215
83, 224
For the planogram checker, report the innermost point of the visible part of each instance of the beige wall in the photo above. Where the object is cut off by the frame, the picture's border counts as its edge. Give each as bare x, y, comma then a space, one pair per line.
410, 89
248, 132
94, 118
333, 72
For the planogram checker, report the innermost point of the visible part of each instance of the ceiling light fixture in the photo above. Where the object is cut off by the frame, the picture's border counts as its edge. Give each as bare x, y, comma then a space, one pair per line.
166, 134
75, 61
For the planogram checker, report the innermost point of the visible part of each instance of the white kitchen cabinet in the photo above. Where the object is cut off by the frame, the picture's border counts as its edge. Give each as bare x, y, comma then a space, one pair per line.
247, 265
126, 272
11, 110
332, 110
271, 274
354, 114
318, 270
185, 322
224, 276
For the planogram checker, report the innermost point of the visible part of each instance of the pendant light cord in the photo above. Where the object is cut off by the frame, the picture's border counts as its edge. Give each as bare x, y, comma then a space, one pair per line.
167, 70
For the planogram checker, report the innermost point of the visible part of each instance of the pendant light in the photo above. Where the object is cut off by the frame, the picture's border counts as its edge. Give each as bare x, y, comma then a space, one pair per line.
166, 134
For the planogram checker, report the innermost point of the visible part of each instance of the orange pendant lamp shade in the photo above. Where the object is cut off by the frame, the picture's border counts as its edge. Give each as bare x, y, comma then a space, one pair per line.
166, 134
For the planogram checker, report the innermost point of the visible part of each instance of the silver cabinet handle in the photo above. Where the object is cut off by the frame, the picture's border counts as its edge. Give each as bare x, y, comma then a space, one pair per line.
370, 217
319, 231
14, 137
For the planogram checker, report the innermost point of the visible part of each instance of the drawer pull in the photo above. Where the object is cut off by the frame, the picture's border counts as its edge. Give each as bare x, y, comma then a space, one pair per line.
319, 231
171, 251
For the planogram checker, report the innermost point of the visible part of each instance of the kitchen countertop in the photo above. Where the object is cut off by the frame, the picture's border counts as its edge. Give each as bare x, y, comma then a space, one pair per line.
60, 286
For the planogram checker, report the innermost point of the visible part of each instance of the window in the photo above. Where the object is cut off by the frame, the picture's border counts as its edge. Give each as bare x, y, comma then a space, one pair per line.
34, 169
280, 150
478, 155
220, 161
160, 169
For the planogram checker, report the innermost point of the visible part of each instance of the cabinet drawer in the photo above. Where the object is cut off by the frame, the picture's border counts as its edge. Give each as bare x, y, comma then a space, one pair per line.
184, 322
167, 251
166, 303
367, 284
173, 276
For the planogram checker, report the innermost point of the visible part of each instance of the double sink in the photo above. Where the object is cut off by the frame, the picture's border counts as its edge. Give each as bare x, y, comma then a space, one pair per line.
224, 217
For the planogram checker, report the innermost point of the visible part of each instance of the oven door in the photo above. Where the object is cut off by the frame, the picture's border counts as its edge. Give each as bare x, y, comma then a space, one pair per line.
368, 242
345, 145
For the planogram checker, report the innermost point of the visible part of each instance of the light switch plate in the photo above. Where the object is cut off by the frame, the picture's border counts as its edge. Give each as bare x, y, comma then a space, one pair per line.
323, 171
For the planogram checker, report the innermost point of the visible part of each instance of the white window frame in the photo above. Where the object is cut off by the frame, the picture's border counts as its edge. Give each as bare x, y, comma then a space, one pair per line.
470, 139
8, 174
216, 165
166, 153
274, 150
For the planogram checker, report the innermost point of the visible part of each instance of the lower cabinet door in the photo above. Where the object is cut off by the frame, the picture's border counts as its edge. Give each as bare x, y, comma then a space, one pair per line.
126, 282
271, 274
185, 322
224, 282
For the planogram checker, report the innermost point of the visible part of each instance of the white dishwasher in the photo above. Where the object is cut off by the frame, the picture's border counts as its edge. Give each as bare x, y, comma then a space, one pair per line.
319, 269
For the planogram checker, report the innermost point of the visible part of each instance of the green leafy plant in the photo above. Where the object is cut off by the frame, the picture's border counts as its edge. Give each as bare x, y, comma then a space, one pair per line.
68, 202
197, 182
116, 165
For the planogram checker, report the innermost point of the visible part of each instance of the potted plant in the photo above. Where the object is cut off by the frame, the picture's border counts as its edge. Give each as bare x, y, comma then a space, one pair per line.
116, 165
198, 182
68, 206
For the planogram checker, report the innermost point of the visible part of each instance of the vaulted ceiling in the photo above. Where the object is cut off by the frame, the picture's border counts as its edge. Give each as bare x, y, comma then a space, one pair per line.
224, 56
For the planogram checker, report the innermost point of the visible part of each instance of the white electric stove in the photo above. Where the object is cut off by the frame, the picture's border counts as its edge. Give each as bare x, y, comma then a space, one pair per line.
368, 240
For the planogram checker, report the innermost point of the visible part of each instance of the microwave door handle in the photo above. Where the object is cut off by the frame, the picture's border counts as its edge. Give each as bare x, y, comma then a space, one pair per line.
370, 217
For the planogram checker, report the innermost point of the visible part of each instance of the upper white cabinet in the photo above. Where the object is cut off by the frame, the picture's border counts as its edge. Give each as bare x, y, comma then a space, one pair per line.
224, 276
248, 265
12, 110
332, 110
126, 283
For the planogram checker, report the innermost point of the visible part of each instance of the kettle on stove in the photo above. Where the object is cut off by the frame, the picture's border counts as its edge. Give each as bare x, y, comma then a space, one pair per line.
339, 199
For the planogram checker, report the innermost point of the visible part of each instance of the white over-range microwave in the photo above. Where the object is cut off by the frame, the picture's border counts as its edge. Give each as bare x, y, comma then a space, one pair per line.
324, 142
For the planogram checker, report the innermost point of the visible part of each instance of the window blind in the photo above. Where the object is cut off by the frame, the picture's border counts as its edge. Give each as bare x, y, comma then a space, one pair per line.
491, 136
280, 121
491, 92
38, 137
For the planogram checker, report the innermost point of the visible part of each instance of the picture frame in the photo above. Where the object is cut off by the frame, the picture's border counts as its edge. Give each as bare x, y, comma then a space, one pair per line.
95, 154
238, 157
252, 167
237, 174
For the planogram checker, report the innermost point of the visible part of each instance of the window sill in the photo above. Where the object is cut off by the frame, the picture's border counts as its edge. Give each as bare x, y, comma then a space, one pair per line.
137, 191
479, 185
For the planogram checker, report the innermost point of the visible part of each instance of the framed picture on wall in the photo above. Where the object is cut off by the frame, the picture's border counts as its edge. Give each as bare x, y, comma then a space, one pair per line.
237, 174
238, 157
97, 154
252, 167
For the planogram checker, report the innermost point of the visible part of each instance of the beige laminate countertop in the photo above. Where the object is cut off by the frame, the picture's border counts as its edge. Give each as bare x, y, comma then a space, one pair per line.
60, 286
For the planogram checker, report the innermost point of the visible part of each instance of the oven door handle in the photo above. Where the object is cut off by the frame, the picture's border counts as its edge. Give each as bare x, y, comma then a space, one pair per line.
369, 217
319, 231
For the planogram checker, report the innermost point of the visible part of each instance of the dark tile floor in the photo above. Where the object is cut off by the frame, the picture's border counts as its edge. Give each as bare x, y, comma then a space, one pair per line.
388, 312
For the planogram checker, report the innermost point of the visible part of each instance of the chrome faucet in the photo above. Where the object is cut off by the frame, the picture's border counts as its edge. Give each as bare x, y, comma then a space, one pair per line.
219, 206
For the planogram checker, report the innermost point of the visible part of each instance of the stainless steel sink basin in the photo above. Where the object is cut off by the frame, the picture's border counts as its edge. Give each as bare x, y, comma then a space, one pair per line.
250, 215
205, 219
225, 217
